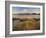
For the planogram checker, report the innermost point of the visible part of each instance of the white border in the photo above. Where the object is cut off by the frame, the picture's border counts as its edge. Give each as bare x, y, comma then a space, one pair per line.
30, 31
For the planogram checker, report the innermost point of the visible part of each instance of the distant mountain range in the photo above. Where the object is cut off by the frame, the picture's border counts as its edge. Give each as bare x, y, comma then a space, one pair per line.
27, 14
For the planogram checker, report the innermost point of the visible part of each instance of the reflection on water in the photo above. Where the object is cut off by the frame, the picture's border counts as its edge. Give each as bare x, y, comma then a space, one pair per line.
26, 16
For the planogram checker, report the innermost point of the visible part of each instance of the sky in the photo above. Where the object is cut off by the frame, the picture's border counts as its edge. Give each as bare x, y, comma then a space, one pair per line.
16, 10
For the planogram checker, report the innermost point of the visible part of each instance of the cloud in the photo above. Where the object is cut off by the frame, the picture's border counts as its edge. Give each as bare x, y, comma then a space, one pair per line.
16, 10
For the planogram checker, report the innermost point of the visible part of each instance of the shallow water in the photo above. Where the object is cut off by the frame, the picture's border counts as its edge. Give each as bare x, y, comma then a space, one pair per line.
26, 16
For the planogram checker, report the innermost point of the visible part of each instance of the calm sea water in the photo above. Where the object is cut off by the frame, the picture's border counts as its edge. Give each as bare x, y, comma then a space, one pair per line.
26, 16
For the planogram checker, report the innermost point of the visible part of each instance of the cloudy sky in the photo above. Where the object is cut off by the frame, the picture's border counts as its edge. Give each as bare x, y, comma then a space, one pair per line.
16, 10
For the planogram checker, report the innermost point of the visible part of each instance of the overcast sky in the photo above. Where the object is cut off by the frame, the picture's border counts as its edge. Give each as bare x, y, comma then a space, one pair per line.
16, 10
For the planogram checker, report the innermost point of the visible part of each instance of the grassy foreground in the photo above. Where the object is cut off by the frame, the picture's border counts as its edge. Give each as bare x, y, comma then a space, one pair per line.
27, 24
